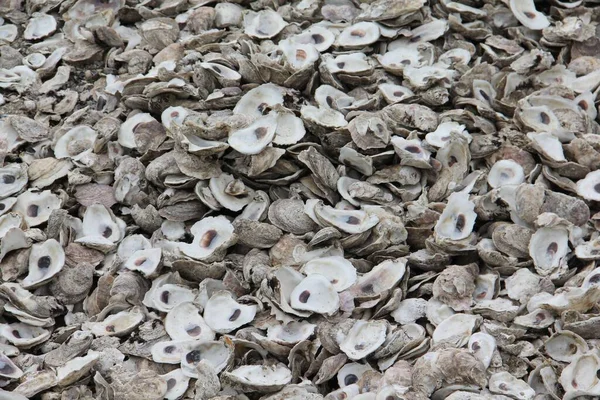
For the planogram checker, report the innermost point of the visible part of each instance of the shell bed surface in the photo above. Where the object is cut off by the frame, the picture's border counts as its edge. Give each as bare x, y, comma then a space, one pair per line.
314, 199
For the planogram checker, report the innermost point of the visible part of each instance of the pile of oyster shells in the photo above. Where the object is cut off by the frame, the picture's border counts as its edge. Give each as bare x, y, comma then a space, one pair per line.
318, 199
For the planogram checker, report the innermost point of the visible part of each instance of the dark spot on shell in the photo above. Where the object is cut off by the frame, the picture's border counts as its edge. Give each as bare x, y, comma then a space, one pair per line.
208, 237
8, 179
503, 387
262, 107
460, 222
545, 118
552, 249
317, 39
598, 374
583, 104
16, 334
261, 132
44, 262
235, 315
110, 328
391, 398
193, 330
193, 357
301, 54
350, 379
379, 127
169, 349
33, 210
595, 278
482, 295
452, 161
340, 64
358, 33
398, 93
572, 348
574, 383
368, 288
140, 261
484, 95
334, 281
2, 206
415, 38
359, 346
261, 32
329, 101
597, 187
352, 220
171, 383
5, 368
529, 15
303, 298
405, 62
216, 69
413, 149
164, 297
539, 317
107, 232
475, 346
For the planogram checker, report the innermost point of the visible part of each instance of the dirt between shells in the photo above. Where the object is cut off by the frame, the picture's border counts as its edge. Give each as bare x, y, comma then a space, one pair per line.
319, 199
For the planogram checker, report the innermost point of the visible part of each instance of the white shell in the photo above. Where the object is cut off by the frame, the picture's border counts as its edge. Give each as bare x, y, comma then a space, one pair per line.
254, 138
315, 293
263, 24
364, 338
216, 353
457, 219
185, 322
177, 384
211, 234
78, 140
41, 25
506, 172
340, 272
526, 13
118, 324
126, 136
350, 373
45, 261
254, 102
36, 207
589, 187
482, 345
223, 314
548, 248
456, 329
